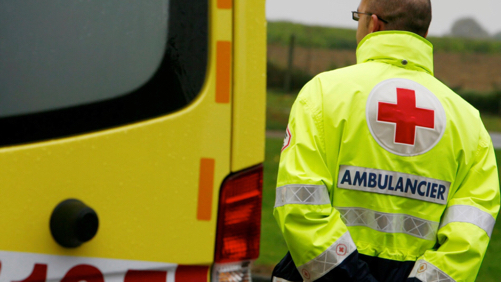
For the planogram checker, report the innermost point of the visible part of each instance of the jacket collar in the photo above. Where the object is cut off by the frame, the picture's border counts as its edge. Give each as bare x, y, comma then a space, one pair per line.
396, 46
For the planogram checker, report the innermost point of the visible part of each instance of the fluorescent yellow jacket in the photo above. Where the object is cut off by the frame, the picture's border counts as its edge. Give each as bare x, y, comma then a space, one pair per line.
382, 159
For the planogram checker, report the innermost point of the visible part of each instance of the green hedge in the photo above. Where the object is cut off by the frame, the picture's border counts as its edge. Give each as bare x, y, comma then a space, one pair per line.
312, 36
485, 103
275, 77
342, 38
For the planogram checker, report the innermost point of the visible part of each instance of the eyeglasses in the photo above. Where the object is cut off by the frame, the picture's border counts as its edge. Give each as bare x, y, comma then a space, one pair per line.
356, 16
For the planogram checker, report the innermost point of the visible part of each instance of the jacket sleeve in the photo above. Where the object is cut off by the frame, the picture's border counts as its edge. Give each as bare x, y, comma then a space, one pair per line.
318, 241
467, 223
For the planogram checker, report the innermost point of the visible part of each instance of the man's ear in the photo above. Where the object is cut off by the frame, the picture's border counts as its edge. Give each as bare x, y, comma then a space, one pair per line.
375, 24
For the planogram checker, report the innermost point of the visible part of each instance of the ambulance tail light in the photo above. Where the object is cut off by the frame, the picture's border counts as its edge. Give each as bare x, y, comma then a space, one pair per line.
238, 225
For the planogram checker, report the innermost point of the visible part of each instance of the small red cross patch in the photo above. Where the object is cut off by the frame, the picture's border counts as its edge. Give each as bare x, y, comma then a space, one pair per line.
406, 116
341, 250
306, 273
422, 268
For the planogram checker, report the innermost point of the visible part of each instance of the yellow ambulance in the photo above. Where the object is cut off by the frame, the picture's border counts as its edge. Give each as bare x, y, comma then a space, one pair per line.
131, 139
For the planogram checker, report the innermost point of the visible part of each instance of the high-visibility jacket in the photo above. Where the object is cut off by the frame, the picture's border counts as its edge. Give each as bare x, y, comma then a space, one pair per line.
382, 161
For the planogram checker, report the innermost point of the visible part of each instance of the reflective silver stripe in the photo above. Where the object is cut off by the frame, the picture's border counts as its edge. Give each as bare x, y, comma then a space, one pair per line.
393, 183
469, 214
390, 222
329, 259
302, 194
427, 272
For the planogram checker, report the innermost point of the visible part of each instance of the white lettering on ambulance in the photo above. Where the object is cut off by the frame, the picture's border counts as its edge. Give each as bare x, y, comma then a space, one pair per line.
30, 267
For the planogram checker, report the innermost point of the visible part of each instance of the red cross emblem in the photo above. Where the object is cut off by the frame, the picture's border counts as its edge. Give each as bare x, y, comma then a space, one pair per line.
406, 116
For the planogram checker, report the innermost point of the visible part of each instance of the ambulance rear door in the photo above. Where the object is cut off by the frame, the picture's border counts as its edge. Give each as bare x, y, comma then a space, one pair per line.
115, 116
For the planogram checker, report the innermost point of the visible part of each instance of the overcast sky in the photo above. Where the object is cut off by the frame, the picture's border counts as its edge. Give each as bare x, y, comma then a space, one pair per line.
337, 13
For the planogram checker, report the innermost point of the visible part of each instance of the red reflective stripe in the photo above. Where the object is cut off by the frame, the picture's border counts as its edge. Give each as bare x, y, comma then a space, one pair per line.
205, 189
145, 275
39, 274
189, 273
406, 116
224, 4
83, 272
223, 72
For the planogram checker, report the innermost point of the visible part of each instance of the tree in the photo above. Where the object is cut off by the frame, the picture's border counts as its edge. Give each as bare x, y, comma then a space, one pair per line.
468, 28
497, 36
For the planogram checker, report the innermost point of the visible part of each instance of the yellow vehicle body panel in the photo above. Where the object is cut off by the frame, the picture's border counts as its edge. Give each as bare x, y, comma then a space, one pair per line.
143, 179
249, 95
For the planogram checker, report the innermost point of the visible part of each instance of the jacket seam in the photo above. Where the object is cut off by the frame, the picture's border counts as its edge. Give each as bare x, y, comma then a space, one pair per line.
482, 145
315, 113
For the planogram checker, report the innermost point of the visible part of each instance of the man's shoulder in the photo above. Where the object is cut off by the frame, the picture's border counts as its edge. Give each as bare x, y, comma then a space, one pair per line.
450, 98
325, 80
352, 71
340, 77
333, 85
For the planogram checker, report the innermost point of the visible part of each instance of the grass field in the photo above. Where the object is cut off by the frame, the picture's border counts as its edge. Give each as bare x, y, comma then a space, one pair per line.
273, 246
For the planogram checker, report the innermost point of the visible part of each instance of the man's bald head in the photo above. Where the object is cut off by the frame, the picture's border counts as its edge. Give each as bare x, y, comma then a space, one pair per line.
408, 15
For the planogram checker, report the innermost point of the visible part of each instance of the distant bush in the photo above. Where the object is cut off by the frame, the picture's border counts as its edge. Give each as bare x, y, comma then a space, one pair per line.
312, 36
342, 38
488, 103
497, 36
276, 77
463, 45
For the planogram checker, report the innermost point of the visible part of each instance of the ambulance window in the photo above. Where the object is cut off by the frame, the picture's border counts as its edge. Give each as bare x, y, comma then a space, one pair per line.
76, 66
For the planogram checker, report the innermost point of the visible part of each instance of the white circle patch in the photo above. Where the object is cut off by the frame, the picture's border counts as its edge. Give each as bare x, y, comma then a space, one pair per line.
287, 139
405, 117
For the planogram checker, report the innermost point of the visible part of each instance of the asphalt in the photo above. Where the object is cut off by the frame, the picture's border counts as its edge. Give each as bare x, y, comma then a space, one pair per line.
495, 136
260, 278
496, 139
